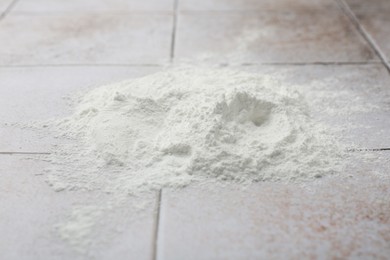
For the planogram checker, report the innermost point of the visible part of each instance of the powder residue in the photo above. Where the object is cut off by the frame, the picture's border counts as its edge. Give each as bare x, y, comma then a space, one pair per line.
183, 125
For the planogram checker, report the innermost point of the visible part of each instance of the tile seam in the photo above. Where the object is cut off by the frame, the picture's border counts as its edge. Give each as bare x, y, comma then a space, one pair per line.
16, 153
8, 9
362, 31
215, 64
174, 31
157, 226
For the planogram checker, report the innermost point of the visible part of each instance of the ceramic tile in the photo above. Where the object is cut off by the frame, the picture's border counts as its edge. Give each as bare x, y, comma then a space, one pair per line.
41, 94
20, 139
85, 39
368, 6
30, 99
269, 37
4, 5
365, 123
37, 6
235, 5
334, 218
31, 214
374, 16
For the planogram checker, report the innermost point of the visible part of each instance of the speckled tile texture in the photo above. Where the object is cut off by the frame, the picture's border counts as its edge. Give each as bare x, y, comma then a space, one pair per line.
51, 49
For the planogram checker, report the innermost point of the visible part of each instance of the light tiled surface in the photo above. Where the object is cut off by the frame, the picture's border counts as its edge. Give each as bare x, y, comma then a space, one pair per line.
19, 139
85, 39
371, 6
51, 48
41, 95
260, 5
335, 218
38, 6
261, 37
30, 211
375, 19
366, 123
4, 5
44, 97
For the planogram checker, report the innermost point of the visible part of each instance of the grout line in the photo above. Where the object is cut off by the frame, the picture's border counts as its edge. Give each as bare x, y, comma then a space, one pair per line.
11, 153
157, 225
367, 150
81, 65
160, 192
220, 64
9, 8
312, 63
173, 36
255, 11
97, 13
370, 40
294, 64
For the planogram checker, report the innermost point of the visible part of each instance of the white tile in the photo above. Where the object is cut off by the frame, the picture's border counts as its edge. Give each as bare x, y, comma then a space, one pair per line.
269, 37
85, 39
374, 17
365, 121
367, 130
4, 5
32, 93
31, 210
93, 5
19, 139
373, 6
337, 217
37, 94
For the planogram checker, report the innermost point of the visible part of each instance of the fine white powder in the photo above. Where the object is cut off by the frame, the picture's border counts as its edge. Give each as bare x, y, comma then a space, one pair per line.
184, 125
180, 126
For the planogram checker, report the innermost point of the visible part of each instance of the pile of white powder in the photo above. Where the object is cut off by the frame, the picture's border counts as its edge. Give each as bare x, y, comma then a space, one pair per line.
178, 126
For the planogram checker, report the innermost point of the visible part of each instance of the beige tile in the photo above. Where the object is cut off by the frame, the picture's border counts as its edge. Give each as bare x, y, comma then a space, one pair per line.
333, 218
4, 5
31, 212
84, 6
85, 39
375, 18
40, 93
240, 5
263, 37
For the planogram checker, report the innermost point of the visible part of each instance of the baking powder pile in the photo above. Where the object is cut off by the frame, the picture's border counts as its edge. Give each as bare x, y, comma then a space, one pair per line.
183, 125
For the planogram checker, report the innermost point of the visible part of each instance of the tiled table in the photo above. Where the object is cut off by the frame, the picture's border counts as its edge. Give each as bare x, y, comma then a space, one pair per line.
50, 49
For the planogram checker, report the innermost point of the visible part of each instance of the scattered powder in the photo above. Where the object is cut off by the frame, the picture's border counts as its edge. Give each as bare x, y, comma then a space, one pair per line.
80, 225
184, 125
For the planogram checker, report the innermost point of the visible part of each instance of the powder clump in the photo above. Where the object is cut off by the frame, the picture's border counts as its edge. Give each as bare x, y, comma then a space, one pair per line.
183, 125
